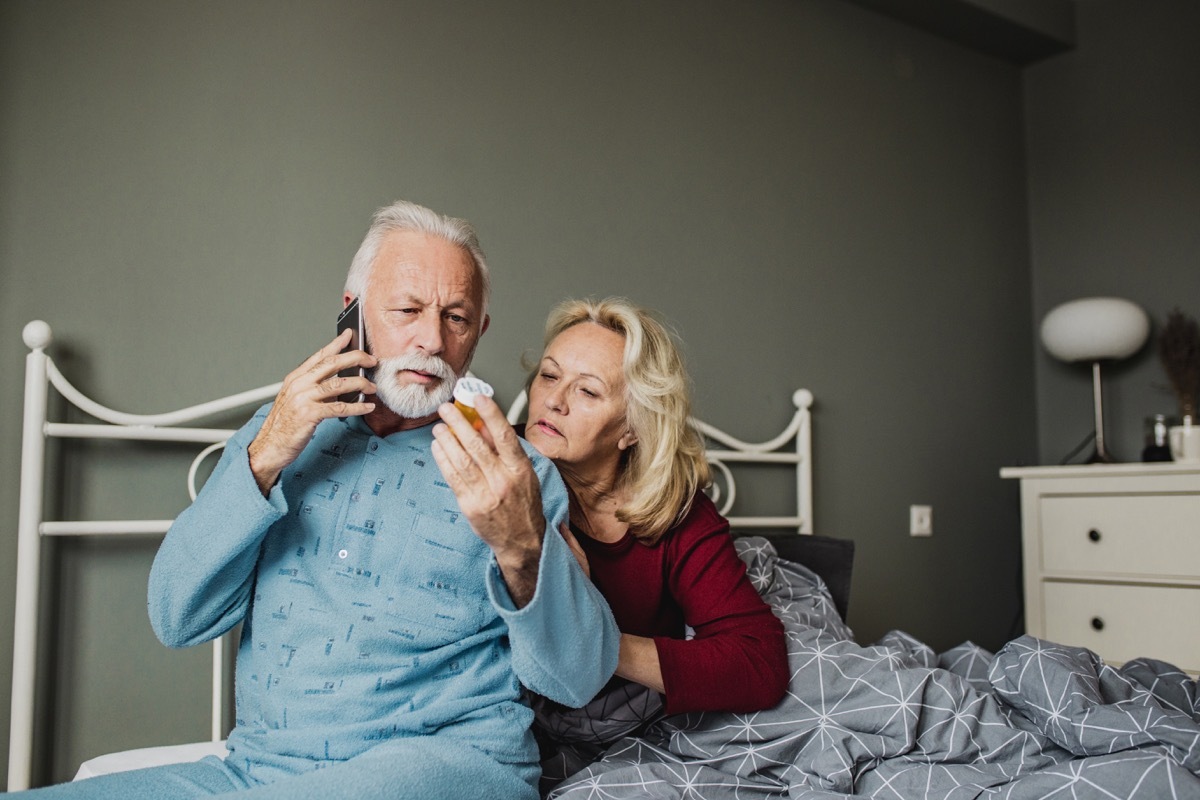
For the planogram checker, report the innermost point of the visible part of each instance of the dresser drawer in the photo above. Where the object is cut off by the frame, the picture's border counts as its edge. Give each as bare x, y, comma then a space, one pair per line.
1159, 622
1154, 535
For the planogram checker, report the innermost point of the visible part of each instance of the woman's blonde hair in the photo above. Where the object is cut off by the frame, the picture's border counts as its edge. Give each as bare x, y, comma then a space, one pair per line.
667, 466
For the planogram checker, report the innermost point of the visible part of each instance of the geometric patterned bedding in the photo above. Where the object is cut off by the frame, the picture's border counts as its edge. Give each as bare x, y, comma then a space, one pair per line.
894, 720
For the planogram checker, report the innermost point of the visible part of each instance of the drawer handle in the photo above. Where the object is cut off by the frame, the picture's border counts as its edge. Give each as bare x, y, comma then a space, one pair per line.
1094, 535
1097, 624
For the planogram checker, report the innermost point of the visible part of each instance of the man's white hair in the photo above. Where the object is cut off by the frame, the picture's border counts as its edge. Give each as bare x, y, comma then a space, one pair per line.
403, 215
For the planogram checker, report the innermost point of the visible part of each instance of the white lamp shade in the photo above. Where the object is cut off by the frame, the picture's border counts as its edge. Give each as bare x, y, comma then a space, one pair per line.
1095, 328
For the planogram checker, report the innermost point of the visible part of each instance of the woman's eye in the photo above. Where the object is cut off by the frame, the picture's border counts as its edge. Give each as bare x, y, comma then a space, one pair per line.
589, 392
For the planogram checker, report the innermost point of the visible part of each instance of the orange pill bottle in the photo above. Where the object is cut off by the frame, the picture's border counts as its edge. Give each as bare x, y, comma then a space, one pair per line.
465, 392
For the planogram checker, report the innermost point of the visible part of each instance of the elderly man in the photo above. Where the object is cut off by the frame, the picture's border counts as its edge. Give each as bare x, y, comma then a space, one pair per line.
396, 600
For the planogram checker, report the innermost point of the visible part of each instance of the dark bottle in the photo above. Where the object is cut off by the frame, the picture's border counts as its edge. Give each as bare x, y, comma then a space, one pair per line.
1156, 448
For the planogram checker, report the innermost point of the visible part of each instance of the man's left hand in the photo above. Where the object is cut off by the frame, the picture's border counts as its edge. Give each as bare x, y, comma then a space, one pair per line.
497, 490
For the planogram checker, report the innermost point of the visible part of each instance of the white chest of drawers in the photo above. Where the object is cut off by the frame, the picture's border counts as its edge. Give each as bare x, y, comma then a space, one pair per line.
1111, 557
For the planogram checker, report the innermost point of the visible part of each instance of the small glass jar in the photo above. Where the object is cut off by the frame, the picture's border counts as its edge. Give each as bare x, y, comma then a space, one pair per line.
465, 392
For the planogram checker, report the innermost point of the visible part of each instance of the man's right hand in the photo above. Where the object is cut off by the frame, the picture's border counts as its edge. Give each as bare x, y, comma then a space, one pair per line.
308, 396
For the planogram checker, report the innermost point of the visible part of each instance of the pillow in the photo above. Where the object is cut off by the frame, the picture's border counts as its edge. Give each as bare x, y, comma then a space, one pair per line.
831, 558
148, 757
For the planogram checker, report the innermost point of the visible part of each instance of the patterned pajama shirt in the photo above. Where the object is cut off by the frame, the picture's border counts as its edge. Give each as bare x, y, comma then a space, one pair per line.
381, 655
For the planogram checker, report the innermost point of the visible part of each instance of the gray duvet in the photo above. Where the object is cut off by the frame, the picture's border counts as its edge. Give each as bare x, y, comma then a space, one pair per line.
893, 720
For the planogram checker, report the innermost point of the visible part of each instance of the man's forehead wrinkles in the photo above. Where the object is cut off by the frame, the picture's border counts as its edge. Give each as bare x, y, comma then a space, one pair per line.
430, 278
463, 302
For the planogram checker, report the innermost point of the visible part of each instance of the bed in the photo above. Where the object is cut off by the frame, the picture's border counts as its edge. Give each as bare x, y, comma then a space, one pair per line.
888, 719
44, 420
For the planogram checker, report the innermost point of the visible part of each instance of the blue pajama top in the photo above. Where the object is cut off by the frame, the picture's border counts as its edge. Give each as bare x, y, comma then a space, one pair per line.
372, 610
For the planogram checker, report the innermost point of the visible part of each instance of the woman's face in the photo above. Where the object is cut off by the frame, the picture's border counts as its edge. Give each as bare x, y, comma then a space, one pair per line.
577, 401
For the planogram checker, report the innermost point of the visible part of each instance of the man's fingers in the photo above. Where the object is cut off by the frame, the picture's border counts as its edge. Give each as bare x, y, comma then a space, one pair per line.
310, 394
473, 441
338, 343
335, 346
341, 408
455, 457
456, 466
330, 359
470, 457
444, 462
336, 385
334, 363
505, 440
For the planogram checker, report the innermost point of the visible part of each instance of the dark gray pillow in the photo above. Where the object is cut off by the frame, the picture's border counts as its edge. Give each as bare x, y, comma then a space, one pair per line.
831, 558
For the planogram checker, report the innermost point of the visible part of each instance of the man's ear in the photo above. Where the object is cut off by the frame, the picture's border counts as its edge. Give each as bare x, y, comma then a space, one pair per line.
346, 299
487, 320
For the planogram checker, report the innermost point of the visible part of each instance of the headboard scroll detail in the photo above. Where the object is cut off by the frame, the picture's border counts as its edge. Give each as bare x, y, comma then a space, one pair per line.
798, 434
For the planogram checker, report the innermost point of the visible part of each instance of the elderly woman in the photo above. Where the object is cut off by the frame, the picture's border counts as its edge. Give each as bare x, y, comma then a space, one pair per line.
609, 405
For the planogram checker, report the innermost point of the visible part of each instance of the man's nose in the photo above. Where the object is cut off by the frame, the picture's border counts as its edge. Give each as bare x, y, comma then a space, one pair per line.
429, 335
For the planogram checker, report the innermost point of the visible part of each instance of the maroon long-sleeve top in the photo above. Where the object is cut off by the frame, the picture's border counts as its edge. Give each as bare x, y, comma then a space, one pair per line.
737, 659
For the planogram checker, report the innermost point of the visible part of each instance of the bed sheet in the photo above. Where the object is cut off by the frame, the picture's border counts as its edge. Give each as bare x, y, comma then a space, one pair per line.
889, 720
896, 720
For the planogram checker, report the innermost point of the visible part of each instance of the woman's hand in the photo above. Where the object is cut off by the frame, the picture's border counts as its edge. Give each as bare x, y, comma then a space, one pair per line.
638, 662
497, 490
576, 549
309, 395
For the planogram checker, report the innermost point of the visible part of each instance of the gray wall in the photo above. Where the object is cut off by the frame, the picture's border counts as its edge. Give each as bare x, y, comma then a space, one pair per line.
817, 196
1114, 166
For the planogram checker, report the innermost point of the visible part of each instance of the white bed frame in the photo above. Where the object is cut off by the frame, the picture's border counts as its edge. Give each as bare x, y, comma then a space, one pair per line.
792, 447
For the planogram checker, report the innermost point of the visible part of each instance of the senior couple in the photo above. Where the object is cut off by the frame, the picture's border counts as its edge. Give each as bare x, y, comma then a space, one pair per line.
410, 587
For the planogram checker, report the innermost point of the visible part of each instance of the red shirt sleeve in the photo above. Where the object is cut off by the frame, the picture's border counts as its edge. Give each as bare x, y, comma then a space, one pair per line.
737, 660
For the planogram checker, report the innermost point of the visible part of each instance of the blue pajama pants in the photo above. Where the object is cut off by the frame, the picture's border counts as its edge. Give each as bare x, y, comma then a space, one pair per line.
426, 768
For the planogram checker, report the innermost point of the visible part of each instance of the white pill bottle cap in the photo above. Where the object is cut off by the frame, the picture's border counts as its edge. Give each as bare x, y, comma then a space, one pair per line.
467, 389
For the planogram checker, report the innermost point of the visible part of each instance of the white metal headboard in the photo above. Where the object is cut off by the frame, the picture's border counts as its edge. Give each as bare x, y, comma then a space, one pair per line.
41, 372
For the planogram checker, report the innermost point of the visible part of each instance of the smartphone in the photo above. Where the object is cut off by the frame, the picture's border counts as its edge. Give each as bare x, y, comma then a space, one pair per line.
351, 317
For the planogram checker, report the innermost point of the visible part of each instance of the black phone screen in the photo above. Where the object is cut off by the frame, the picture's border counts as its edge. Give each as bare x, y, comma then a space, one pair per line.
351, 317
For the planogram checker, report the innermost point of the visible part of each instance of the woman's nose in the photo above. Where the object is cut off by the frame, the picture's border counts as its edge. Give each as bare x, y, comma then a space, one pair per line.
555, 400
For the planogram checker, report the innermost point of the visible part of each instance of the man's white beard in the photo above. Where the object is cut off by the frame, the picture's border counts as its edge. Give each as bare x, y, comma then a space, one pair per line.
413, 401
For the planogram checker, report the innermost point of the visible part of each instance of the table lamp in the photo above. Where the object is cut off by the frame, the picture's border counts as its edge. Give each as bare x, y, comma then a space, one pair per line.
1095, 329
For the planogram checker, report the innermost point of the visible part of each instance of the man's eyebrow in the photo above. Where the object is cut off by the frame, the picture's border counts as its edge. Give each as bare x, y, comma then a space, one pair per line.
412, 300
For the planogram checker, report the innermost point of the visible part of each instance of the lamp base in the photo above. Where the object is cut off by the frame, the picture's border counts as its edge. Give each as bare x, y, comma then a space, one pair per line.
1099, 454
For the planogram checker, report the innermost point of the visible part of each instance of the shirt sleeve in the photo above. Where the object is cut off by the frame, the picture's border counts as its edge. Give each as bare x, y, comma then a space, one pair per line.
565, 640
737, 659
203, 574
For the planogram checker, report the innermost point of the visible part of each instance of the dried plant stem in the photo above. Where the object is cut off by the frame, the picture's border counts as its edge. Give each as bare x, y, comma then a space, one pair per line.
1179, 351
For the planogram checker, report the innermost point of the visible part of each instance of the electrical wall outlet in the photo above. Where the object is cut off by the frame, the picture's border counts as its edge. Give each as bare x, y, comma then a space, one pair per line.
920, 520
